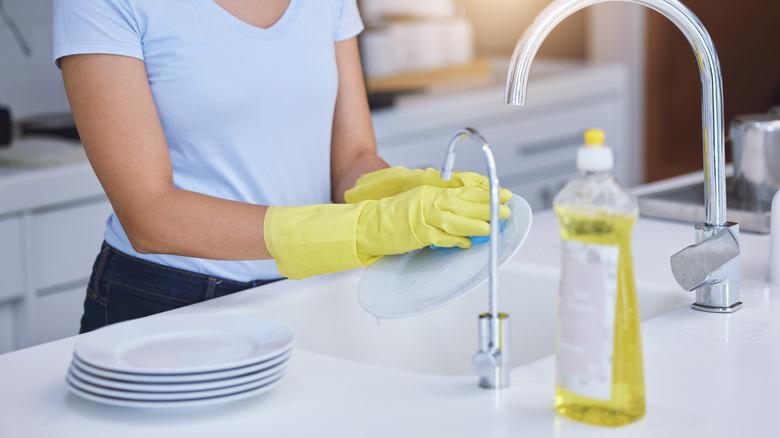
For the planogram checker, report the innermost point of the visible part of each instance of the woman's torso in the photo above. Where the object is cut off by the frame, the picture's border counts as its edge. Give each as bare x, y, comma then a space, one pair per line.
247, 112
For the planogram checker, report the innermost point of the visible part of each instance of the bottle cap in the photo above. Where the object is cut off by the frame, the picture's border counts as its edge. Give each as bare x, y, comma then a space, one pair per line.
594, 156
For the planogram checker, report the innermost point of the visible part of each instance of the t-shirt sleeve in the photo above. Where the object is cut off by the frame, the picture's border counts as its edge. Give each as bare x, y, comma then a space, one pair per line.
95, 26
349, 23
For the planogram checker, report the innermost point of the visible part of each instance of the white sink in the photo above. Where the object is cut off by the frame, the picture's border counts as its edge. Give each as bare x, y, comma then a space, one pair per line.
327, 318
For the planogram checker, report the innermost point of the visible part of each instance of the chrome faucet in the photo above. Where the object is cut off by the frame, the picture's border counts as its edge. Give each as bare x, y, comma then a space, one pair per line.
711, 266
492, 359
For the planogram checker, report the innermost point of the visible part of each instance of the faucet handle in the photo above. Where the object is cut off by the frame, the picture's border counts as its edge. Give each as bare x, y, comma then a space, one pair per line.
491, 362
485, 362
696, 265
490, 369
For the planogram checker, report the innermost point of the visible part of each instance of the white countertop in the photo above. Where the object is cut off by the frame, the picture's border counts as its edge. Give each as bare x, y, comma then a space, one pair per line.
706, 375
40, 173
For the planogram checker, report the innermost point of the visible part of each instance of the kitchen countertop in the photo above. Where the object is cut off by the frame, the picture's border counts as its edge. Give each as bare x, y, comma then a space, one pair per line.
41, 172
706, 375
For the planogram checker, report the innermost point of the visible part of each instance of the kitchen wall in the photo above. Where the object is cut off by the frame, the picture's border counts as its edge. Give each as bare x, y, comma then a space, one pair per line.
29, 85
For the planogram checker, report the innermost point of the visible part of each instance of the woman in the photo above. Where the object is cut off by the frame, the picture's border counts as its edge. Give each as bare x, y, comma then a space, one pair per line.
221, 130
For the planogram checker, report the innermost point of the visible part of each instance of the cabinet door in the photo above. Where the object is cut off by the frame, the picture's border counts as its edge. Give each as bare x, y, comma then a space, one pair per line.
58, 314
527, 144
428, 149
520, 143
65, 243
11, 257
8, 318
421, 153
540, 193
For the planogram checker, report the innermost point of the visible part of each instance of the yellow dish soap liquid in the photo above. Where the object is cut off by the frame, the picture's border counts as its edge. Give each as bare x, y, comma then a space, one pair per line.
599, 377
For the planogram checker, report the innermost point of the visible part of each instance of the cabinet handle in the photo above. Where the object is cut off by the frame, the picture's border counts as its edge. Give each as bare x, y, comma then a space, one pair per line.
546, 196
540, 173
554, 144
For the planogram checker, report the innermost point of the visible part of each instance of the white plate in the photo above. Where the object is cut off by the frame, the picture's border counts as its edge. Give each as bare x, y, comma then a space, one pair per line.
151, 404
169, 396
178, 344
424, 280
180, 378
173, 387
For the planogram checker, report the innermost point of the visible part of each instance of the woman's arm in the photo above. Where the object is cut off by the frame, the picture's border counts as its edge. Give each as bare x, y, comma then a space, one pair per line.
121, 132
353, 145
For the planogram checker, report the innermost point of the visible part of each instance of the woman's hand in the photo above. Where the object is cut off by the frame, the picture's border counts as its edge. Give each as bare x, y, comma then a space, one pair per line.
394, 180
424, 216
318, 239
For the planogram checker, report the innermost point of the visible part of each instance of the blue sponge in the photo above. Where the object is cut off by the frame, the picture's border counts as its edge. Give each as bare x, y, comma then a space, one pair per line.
479, 240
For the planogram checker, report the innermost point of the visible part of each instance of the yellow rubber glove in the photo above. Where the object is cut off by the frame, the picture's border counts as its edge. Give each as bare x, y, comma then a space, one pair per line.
318, 239
394, 180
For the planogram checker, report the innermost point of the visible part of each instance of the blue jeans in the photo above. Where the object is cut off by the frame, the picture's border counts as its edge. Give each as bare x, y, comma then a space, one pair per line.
123, 287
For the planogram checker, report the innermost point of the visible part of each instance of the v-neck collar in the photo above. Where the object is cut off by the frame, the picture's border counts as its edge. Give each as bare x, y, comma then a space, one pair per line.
270, 32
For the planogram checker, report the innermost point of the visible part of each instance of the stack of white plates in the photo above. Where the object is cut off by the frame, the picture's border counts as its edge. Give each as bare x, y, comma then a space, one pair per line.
180, 361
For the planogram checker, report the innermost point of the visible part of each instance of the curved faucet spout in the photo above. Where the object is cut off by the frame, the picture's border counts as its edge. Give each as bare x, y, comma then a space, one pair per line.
490, 162
718, 290
492, 359
709, 68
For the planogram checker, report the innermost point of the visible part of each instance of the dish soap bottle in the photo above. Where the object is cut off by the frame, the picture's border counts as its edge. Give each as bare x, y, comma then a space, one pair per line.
599, 354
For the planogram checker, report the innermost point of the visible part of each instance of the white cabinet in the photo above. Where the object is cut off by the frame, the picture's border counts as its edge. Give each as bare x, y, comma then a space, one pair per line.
420, 153
65, 242
58, 314
11, 256
540, 193
51, 226
8, 324
536, 141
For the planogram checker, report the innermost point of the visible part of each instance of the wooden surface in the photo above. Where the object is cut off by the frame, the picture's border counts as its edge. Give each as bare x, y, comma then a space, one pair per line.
498, 24
478, 70
747, 36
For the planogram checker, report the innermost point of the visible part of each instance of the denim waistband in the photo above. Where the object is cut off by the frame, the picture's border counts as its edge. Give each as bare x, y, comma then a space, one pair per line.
123, 287
121, 261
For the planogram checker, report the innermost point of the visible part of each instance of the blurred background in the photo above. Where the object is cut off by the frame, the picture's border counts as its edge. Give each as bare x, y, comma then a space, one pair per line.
432, 66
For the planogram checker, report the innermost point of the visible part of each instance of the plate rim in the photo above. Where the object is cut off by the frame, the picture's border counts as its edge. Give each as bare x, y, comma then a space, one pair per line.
152, 404
104, 335
158, 396
181, 378
173, 387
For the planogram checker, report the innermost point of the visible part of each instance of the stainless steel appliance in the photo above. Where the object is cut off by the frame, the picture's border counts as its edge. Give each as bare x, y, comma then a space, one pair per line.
755, 147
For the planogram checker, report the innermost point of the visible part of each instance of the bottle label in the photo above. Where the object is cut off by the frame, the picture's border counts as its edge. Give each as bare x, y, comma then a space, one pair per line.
586, 318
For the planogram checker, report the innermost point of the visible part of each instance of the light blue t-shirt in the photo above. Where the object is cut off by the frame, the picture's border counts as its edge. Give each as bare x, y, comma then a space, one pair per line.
247, 112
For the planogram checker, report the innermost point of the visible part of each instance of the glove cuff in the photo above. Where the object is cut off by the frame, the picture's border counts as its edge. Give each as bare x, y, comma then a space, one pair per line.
314, 239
